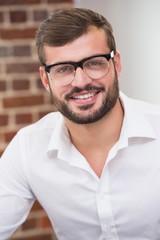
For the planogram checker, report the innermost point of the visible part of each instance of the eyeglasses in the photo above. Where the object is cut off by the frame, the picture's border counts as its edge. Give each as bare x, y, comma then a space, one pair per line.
95, 67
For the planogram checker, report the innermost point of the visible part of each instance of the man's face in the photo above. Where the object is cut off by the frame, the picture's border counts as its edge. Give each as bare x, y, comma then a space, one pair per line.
84, 100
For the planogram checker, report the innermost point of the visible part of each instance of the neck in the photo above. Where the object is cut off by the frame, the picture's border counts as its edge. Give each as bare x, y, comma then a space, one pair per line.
95, 140
106, 130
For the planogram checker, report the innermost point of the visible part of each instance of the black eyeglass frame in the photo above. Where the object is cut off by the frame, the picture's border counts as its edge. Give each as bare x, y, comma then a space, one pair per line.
108, 56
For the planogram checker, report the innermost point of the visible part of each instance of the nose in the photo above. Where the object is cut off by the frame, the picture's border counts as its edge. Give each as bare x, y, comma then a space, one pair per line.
80, 78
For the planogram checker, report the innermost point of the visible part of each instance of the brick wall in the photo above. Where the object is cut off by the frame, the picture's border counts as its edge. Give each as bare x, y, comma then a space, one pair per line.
22, 97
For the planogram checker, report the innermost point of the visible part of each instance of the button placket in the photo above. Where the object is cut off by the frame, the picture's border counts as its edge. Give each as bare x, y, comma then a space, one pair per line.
104, 210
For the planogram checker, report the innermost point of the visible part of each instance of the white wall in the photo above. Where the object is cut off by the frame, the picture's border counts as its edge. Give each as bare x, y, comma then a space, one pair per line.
136, 25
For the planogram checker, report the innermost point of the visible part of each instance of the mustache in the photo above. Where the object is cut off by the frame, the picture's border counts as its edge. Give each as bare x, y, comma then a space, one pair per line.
87, 88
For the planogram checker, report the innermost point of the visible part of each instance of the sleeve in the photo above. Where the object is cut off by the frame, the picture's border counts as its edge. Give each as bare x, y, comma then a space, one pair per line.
16, 198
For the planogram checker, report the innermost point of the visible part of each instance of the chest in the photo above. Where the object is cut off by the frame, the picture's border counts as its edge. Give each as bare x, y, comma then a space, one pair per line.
122, 204
117, 207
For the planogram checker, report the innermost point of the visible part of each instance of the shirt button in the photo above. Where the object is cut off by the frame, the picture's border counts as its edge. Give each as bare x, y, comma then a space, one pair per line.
108, 229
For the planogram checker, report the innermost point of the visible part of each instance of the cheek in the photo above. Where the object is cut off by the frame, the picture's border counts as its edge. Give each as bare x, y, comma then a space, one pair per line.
59, 92
109, 78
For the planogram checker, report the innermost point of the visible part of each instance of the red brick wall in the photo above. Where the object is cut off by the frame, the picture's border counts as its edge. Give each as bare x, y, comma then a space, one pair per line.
22, 97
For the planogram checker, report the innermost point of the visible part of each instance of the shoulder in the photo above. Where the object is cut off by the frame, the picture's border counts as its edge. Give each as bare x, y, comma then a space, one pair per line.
49, 121
141, 112
146, 107
40, 131
34, 138
141, 106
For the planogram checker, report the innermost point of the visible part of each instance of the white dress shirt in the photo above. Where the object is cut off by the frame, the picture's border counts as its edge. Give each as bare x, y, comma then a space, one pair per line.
123, 204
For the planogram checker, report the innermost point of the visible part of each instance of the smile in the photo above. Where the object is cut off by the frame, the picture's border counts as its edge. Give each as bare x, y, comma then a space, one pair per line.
84, 96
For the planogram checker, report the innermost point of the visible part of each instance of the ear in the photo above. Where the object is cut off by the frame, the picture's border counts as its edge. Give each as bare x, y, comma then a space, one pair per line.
117, 61
44, 78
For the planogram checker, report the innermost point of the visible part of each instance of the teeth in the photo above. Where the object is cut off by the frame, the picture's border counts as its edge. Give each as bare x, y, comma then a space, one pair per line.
85, 96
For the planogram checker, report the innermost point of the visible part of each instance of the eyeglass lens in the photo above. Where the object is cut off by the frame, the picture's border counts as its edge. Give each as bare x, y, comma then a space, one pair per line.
95, 68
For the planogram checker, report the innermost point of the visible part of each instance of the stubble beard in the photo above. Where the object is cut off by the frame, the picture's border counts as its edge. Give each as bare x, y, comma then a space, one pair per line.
108, 103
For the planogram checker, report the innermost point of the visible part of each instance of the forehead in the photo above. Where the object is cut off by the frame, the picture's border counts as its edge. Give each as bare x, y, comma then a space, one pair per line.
91, 43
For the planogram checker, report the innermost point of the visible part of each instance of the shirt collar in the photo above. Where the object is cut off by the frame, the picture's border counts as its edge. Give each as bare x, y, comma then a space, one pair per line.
135, 123
60, 143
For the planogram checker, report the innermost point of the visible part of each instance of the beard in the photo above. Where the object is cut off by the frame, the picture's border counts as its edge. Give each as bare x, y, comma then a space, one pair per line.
108, 103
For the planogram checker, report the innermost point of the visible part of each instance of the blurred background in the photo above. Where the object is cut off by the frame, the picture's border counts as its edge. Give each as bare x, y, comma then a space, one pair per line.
23, 100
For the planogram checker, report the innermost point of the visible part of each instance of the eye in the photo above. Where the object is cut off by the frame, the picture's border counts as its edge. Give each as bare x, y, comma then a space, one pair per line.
63, 69
95, 62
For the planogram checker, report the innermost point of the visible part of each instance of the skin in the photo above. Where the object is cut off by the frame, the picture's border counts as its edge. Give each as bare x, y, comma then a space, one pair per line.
101, 133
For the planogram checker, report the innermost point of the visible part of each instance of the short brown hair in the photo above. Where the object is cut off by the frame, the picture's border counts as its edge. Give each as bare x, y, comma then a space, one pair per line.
67, 25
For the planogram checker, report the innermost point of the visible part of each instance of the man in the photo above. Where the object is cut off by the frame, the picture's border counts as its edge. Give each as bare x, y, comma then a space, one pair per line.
94, 165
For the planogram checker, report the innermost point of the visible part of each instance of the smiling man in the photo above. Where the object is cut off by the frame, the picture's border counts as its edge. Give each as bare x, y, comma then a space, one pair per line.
94, 164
